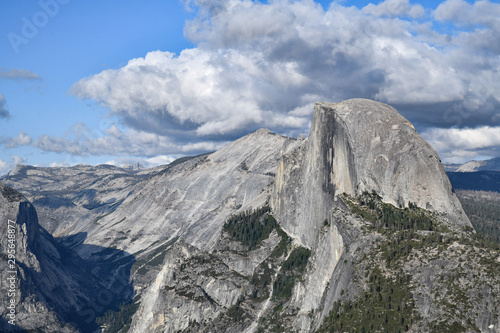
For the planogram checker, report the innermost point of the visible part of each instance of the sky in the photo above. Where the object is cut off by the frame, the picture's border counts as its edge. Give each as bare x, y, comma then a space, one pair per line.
127, 81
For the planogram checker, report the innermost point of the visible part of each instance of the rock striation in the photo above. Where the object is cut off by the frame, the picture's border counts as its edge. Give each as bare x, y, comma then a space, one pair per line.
158, 237
355, 146
474, 166
55, 290
363, 145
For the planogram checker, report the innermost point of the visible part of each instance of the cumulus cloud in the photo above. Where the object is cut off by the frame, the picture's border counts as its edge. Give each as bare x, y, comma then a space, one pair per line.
4, 113
7, 166
143, 162
22, 139
81, 141
264, 64
59, 164
4, 167
18, 74
464, 14
159, 160
460, 145
395, 8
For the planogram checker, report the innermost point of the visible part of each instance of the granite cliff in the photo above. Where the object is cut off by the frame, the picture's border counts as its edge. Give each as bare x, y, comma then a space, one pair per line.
53, 288
273, 234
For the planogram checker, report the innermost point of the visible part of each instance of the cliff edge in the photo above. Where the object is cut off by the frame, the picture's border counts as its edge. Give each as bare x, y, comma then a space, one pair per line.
355, 146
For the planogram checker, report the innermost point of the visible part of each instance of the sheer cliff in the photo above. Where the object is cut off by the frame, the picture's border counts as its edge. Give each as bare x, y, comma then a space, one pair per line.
361, 145
273, 234
50, 286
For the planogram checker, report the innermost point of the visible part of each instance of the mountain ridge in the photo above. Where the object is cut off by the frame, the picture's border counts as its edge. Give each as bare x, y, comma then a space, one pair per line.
310, 221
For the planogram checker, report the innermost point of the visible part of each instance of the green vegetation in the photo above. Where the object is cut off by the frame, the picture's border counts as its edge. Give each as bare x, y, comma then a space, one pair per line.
236, 312
410, 238
244, 166
444, 327
387, 306
251, 228
483, 210
282, 248
118, 321
387, 217
261, 280
263, 275
10, 194
291, 270
400, 246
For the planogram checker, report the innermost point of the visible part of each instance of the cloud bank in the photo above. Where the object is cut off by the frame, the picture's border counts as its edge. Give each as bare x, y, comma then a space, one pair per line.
265, 64
22, 139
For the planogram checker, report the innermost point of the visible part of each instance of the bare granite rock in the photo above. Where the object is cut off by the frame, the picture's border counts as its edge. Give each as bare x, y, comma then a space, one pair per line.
157, 236
375, 148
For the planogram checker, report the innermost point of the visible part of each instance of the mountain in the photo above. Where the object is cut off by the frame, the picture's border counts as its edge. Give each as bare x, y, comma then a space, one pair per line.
451, 167
49, 284
473, 166
487, 165
483, 209
476, 175
355, 227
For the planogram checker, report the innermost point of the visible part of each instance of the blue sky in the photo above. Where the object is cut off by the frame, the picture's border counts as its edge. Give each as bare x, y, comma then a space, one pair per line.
129, 81
82, 38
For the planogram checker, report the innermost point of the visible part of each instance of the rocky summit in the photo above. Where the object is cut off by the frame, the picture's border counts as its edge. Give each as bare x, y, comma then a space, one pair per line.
354, 229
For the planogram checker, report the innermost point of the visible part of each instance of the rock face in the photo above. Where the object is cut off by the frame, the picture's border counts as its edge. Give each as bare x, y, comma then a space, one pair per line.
367, 145
474, 166
158, 237
53, 285
65, 197
355, 146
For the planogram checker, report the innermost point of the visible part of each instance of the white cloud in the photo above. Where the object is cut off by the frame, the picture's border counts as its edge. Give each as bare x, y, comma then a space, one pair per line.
159, 160
18, 160
80, 141
219, 93
464, 144
22, 139
144, 162
7, 166
59, 164
463, 14
4, 168
395, 8
264, 64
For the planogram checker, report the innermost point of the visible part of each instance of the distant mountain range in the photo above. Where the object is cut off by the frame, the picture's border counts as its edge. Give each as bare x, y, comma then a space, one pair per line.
355, 228
475, 175
473, 166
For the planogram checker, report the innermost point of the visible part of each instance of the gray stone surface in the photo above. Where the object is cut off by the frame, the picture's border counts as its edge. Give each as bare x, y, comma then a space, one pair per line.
169, 220
375, 148
486, 165
53, 284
